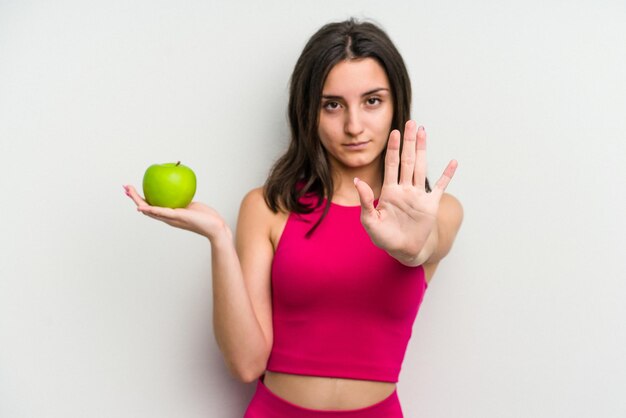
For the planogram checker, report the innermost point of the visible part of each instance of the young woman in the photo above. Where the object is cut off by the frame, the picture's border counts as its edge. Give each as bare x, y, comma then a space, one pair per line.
316, 297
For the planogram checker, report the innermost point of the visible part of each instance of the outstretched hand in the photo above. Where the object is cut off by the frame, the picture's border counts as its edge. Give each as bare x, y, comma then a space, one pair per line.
406, 213
197, 217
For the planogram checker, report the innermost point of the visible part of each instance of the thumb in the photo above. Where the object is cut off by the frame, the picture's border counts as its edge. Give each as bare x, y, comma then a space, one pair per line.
366, 196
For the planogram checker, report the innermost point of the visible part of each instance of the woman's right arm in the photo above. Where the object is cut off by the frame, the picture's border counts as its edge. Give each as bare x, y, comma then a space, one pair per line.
242, 316
242, 308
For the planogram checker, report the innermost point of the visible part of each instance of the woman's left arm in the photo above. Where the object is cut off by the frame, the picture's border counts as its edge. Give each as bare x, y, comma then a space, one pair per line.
441, 238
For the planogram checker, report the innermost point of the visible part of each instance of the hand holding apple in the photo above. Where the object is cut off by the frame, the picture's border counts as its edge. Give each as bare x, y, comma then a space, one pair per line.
169, 189
196, 217
170, 185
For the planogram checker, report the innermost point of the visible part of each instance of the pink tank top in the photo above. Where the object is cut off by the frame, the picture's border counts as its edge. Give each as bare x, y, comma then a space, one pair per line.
342, 307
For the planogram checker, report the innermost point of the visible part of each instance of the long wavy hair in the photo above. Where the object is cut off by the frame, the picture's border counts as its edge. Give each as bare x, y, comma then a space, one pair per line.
304, 168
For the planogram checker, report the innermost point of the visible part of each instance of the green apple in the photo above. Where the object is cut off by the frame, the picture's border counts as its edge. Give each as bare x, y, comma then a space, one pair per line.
170, 185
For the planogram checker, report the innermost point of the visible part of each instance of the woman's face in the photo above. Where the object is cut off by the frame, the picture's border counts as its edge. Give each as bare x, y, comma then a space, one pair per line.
356, 114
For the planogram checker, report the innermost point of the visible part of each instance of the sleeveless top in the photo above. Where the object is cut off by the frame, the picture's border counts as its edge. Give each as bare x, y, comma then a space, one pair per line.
342, 307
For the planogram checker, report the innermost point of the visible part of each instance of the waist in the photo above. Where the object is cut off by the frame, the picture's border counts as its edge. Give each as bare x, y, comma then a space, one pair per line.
327, 393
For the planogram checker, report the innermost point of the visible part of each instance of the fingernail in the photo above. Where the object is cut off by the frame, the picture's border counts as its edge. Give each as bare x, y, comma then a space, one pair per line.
356, 180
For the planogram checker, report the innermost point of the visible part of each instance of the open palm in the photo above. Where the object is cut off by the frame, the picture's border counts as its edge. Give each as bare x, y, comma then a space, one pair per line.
197, 217
406, 213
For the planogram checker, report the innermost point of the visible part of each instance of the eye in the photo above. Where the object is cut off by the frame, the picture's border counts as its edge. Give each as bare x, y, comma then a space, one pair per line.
373, 101
331, 105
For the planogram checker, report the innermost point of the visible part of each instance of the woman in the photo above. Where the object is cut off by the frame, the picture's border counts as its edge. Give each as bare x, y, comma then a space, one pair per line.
317, 298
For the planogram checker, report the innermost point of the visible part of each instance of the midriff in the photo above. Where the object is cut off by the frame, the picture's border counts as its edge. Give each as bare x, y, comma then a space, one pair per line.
327, 393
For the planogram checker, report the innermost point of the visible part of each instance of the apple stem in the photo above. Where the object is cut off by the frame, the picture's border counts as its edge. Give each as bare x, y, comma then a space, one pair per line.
177, 164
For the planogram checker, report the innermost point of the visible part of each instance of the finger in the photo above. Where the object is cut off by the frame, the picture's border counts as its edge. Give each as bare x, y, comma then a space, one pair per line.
366, 197
164, 214
445, 178
132, 193
392, 159
407, 160
420, 158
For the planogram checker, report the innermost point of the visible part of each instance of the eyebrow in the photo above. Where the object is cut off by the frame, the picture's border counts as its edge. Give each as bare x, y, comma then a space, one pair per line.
367, 93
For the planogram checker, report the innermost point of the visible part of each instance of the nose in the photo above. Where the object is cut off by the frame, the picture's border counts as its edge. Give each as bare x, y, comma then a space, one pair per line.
353, 125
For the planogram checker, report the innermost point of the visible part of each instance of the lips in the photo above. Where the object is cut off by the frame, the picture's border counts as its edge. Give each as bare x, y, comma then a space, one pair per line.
356, 145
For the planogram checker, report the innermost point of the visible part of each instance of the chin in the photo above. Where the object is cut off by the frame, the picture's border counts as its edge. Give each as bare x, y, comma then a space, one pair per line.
359, 163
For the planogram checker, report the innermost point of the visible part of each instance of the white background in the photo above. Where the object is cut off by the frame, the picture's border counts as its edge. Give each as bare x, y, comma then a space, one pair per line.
106, 313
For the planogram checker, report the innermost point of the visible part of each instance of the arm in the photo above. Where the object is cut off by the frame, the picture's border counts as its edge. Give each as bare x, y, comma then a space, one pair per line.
242, 304
241, 282
439, 243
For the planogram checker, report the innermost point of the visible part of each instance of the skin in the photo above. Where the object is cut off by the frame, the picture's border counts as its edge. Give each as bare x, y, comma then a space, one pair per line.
415, 227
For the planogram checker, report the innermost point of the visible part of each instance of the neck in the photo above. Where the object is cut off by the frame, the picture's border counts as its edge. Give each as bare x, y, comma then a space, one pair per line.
344, 191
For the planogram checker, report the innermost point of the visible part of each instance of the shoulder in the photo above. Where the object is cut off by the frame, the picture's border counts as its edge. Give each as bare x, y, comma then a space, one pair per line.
450, 211
254, 207
255, 216
254, 199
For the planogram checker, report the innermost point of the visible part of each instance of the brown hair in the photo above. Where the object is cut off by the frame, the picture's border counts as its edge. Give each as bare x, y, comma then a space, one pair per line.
304, 168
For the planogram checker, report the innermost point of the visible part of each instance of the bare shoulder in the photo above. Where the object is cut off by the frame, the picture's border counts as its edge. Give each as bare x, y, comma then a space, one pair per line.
257, 217
255, 198
450, 212
254, 212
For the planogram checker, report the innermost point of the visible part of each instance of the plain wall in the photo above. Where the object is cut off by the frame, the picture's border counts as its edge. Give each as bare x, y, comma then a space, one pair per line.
107, 313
